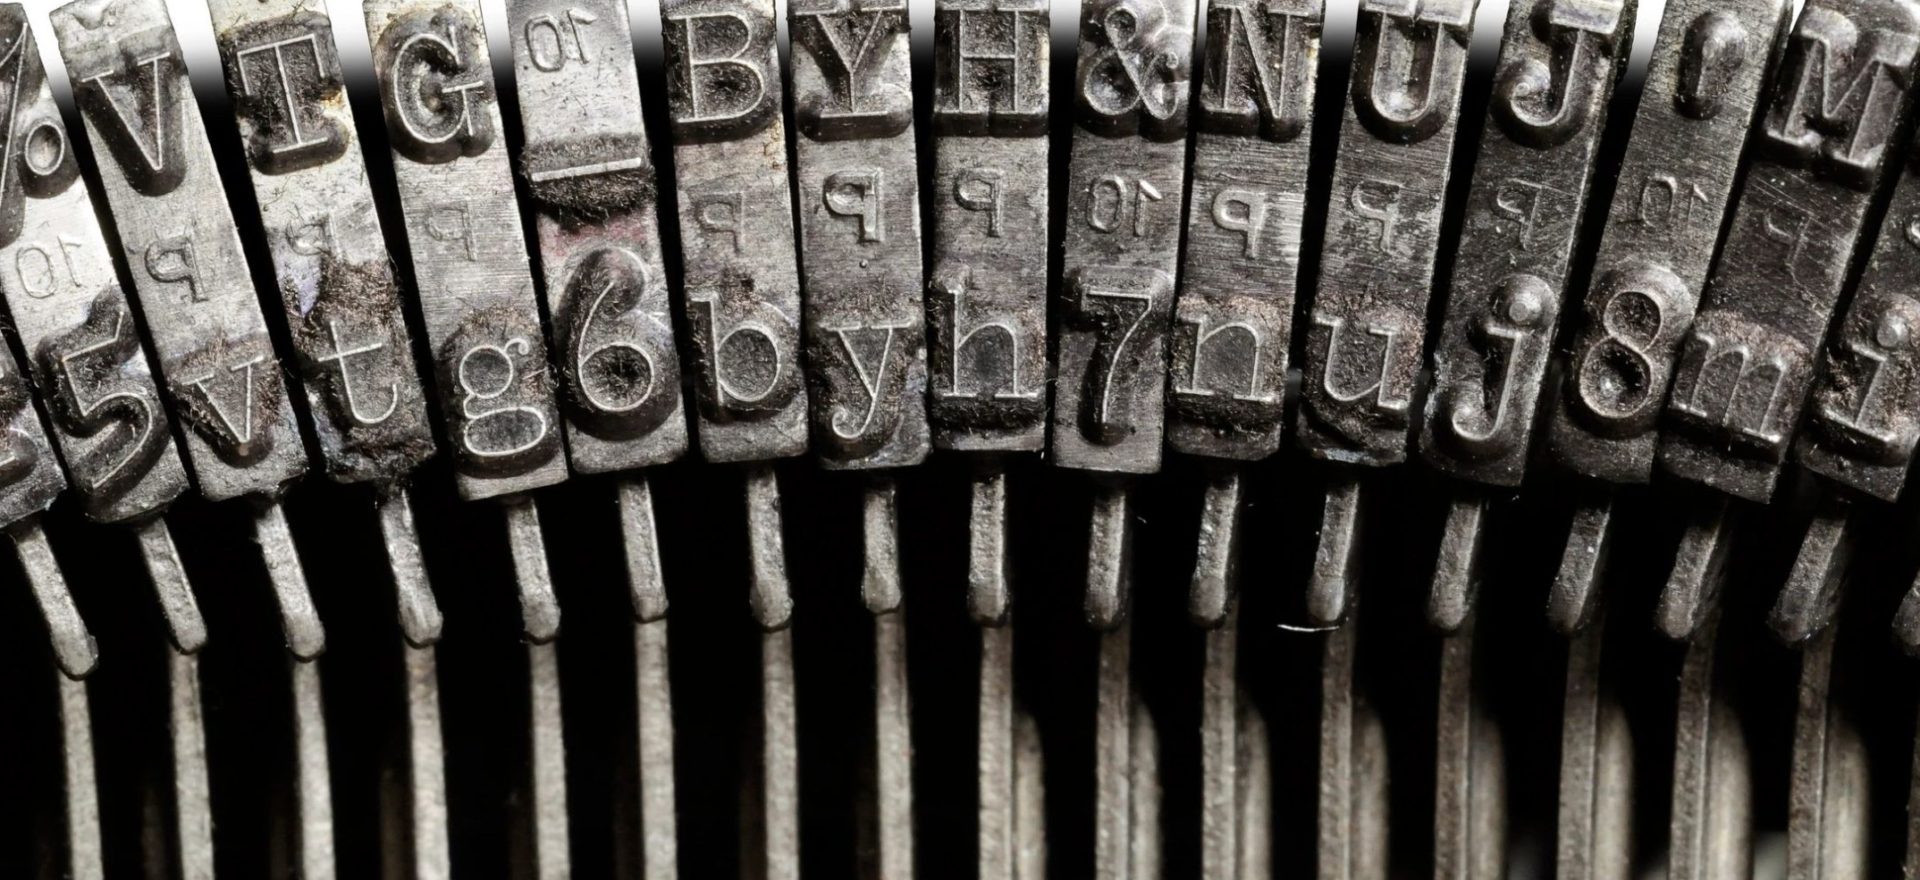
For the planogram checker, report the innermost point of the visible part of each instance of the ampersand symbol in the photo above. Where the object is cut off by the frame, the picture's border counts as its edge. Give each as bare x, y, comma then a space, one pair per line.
1136, 80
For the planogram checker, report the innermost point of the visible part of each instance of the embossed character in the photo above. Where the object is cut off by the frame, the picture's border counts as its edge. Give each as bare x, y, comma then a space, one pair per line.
1544, 103
1511, 341
851, 40
988, 67
1843, 83
1409, 62
35, 157
434, 78
280, 73
95, 396
1258, 65
1134, 67
137, 111
717, 77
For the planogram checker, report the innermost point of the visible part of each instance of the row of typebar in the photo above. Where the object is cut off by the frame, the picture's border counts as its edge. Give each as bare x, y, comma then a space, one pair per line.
1748, 308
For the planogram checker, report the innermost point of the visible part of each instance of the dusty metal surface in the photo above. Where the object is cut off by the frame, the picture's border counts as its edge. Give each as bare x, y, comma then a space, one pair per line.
1368, 319
1232, 326
589, 172
735, 201
1521, 221
1746, 366
1672, 190
1126, 184
84, 350
353, 353
170, 210
857, 187
987, 292
497, 400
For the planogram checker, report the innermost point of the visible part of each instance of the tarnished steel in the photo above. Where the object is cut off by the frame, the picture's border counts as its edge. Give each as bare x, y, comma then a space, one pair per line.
858, 189
1823, 147
987, 294
1671, 194
1351, 838
463, 229
353, 353
1368, 321
170, 210
742, 282
1710, 835
1227, 366
1594, 839
1126, 182
1522, 218
1827, 803
589, 172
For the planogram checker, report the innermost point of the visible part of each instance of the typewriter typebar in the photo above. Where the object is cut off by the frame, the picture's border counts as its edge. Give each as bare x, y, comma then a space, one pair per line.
496, 398
987, 356
469, 258
1523, 213
1227, 363
857, 186
1227, 366
987, 293
1746, 365
72, 316
1521, 220
1126, 184
1368, 318
589, 174
1672, 190
336, 280
170, 210
724, 98
1126, 187
1865, 413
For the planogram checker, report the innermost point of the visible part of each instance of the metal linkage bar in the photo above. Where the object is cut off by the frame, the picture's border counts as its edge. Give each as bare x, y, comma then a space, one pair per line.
987, 335
1595, 828
1126, 186
1227, 365
589, 170
742, 288
1711, 834
204, 319
352, 351
483, 327
857, 184
1559, 60
1827, 821
1352, 839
